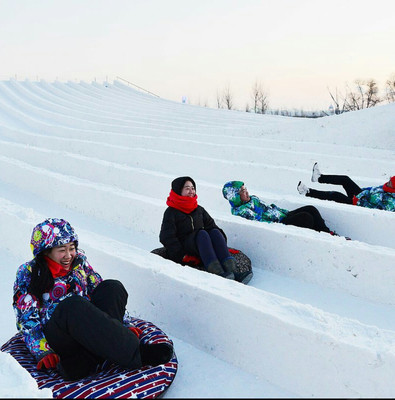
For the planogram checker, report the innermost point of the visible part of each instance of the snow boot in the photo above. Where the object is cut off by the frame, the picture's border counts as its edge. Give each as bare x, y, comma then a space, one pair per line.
316, 173
155, 354
229, 266
215, 268
302, 188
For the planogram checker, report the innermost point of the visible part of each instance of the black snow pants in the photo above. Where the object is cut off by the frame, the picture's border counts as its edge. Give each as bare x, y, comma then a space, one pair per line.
351, 188
85, 333
306, 217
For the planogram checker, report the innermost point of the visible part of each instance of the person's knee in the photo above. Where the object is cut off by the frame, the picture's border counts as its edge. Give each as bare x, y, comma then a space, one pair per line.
310, 210
111, 284
202, 234
215, 234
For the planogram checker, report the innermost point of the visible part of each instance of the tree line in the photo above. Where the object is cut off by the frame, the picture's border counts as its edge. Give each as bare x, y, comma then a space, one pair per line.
363, 94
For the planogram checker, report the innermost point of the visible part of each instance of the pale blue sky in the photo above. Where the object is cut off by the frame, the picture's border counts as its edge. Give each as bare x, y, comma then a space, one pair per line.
175, 48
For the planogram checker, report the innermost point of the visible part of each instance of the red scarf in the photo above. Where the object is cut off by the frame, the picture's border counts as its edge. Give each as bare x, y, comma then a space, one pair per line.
390, 189
185, 204
55, 268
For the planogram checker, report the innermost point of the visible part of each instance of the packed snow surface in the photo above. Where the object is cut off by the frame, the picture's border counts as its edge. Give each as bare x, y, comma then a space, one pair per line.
316, 320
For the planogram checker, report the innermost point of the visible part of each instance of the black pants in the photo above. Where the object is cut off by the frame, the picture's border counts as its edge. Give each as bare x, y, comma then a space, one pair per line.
306, 217
351, 188
85, 333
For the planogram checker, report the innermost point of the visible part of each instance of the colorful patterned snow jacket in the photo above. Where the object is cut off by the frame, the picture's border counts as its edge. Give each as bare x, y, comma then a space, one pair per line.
255, 209
31, 317
376, 197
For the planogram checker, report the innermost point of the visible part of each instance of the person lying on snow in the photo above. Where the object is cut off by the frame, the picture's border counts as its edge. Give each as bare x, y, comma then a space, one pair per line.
191, 236
70, 318
380, 197
253, 208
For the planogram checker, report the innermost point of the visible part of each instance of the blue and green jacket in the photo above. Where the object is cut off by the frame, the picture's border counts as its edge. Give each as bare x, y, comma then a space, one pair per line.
255, 209
375, 197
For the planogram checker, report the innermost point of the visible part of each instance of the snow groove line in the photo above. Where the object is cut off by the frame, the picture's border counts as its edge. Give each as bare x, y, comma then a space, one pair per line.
336, 261
30, 109
134, 153
76, 180
35, 99
191, 117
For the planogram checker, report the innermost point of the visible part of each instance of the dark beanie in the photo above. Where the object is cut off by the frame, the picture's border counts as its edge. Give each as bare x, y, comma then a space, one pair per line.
179, 183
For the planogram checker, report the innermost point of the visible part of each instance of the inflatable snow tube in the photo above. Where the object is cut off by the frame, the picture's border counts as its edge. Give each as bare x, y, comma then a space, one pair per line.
243, 263
110, 381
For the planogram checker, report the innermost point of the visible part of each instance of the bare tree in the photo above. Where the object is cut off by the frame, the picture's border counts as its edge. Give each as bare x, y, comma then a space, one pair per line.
259, 98
339, 107
263, 102
363, 95
255, 95
219, 100
228, 98
390, 89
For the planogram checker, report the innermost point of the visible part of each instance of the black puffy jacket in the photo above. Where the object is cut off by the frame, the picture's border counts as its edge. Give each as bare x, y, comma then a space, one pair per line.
178, 231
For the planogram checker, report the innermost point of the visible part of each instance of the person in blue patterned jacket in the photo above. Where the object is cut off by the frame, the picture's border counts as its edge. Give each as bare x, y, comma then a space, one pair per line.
379, 197
70, 318
253, 208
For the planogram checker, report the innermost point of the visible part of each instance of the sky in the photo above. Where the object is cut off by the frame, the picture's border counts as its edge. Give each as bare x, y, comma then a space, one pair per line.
317, 318
299, 51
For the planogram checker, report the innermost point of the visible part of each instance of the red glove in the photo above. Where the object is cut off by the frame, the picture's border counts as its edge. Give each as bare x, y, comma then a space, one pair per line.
191, 260
136, 331
233, 251
51, 360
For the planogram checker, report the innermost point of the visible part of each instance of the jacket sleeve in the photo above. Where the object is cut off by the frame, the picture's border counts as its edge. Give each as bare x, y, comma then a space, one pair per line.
92, 277
168, 237
27, 312
245, 212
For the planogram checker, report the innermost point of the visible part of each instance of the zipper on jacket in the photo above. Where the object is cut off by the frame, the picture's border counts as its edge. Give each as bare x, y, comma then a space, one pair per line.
193, 227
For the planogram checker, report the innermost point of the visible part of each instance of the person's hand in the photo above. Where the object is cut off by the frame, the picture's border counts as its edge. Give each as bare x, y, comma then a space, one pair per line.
51, 360
136, 331
191, 260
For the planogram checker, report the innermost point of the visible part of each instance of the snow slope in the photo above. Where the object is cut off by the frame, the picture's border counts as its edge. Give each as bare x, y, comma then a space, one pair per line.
316, 320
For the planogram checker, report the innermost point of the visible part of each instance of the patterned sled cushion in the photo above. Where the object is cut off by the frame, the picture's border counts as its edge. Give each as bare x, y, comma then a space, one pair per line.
110, 381
243, 263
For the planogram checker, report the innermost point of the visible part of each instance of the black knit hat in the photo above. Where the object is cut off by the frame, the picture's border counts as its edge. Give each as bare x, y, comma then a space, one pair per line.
179, 183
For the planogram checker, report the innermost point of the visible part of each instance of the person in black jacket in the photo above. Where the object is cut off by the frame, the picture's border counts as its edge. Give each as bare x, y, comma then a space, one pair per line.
190, 235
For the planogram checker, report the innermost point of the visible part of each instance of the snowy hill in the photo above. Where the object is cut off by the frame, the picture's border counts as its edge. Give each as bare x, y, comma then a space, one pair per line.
317, 318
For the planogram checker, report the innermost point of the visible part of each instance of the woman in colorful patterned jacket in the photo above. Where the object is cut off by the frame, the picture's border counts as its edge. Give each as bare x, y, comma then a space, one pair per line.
379, 197
253, 208
70, 318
